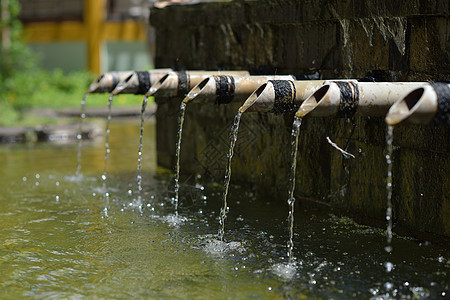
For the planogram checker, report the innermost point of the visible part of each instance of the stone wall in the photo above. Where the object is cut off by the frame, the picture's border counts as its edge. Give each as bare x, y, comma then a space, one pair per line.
387, 40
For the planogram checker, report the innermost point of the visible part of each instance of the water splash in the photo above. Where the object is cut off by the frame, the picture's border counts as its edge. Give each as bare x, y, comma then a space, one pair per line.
139, 167
291, 201
80, 134
177, 154
224, 209
107, 131
285, 271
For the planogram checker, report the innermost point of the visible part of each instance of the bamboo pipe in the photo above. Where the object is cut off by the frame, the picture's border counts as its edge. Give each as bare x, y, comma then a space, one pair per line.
107, 82
349, 97
180, 83
138, 82
429, 103
223, 89
279, 96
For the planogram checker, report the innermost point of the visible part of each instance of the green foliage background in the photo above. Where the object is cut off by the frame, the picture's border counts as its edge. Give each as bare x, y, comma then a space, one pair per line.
24, 86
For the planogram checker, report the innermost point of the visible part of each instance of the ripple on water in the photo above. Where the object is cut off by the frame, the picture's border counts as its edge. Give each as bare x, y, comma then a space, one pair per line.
74, 178
174, 220
218, 247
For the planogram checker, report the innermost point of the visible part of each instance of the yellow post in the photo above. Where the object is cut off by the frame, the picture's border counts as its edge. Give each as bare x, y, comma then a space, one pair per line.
94, 15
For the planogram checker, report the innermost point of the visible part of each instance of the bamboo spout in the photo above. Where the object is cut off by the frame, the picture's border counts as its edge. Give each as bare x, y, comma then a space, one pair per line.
108, 81
429, 103
174, 84
347, 98
223, 89
280, 95
138, 82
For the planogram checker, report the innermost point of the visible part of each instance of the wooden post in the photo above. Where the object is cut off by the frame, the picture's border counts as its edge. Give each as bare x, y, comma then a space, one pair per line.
94, 15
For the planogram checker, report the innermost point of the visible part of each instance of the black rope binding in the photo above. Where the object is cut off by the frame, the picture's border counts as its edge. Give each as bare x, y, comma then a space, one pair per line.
442, 90
225, 87
143, 82
284, 96
349, 98
183, 83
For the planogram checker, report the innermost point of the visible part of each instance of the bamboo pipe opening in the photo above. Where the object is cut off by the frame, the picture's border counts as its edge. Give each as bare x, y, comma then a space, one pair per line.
157, 85
324, 101
252, 100
419, 107
95, 85
122, 84
196, 90
107, 82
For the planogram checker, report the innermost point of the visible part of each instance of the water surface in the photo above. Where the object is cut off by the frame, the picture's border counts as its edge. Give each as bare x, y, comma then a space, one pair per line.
60, 237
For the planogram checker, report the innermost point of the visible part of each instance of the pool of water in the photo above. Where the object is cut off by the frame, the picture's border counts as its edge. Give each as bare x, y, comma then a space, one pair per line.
62, 237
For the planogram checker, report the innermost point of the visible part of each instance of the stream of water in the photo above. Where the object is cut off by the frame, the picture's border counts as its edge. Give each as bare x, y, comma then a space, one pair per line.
291, 200
177, 154
141, 138
80, 134
389, 266
224, 210
107, 147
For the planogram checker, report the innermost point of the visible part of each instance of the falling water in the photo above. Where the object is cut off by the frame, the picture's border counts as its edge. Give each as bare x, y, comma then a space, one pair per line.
223, 210
291, 201
389, 140
177, 154
107, 150
80, 134
139, 167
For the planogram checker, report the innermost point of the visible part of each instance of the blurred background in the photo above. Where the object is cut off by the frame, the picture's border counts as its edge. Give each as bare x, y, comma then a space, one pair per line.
98, 35
52, 49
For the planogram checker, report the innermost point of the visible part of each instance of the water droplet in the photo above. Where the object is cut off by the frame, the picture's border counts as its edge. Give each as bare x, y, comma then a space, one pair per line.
130, 192
57, 198
57, 183
406, 283
24, 179
270, 288
38, 176
94, 194
107, 194
389, 266
388, 286
443, 294
103, 177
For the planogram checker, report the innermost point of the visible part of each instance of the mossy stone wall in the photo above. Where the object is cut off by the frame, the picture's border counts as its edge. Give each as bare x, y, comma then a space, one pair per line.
387, 40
